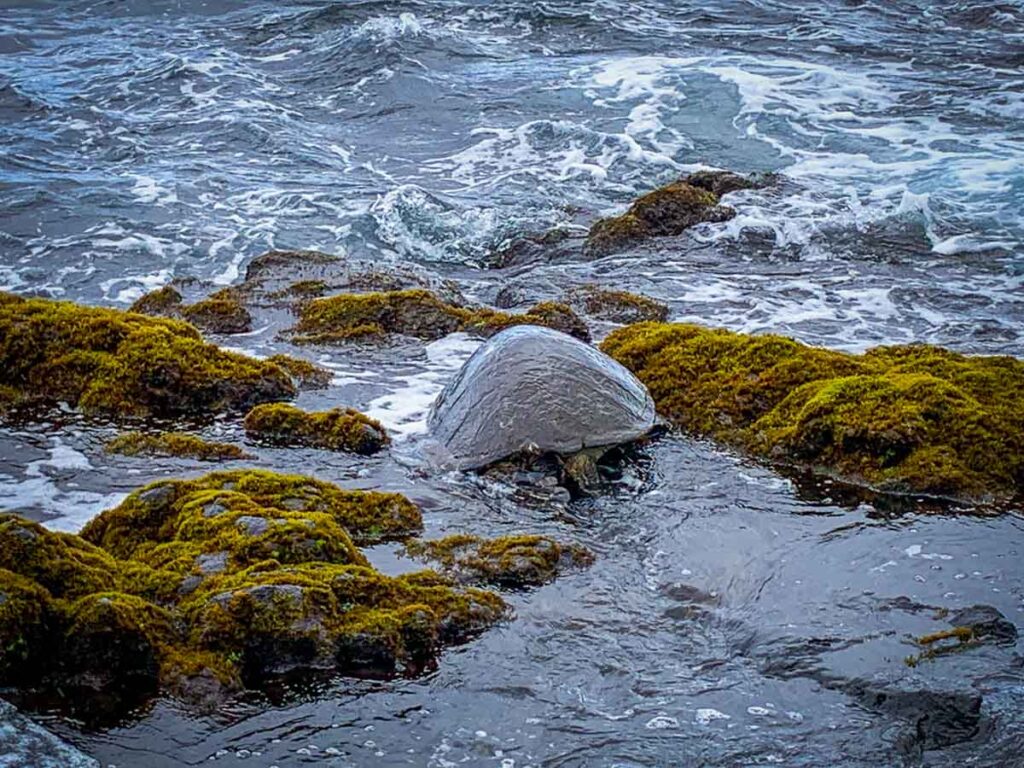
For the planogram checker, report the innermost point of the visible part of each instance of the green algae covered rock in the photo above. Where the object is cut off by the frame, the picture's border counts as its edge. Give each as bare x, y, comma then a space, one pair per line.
507, 561
178, 444
305, 375
419, 313
62, 563
206, 586
666, 211
125, 364
221, 312
26, 626
616, 306
915, 419
340, 429
169, 510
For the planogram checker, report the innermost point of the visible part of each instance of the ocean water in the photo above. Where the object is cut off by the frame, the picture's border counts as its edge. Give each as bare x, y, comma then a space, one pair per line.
143, 141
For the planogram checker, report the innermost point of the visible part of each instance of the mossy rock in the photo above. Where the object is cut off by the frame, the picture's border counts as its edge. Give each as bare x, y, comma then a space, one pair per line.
340, 429
27, 619
125, 364
417, 313
160, 512
63, 564
222, 312
667, 211
908, 419
507, 561
113, 643
203, 587
616, 306
176, 444
305, 375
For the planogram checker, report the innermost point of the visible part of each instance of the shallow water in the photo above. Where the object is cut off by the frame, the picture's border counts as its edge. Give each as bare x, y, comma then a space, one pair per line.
147, 140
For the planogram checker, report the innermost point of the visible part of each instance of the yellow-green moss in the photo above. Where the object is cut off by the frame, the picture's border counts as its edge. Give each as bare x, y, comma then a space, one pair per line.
177, 444
513, 561
206, 586
62, 563
305, 375
418, 313
909, 418
154, 514
617, 306
26, 626
666, 211
163, 302
221, 312
340, 429
124, 363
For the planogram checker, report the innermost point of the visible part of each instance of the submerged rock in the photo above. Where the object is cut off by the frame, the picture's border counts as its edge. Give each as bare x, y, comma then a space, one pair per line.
537, 391
177, 444
340, 429
123, 363
24, 744
417, 313
907, 419
508, 561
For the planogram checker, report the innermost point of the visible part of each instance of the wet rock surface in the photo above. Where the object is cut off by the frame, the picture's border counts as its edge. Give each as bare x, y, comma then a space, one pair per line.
24, 744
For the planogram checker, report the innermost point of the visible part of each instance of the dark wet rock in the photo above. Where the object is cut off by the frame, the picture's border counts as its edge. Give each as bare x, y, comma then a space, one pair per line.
530, 248
294, 277
665, 212
25, 744
340, 429
616, 306
508, 561
985, 622
549, 392
906, 419
933, 718
125, 364
724, 182
417, 313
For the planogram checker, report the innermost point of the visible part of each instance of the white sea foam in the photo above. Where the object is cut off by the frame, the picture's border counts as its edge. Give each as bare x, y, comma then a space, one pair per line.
50, 484
404, 410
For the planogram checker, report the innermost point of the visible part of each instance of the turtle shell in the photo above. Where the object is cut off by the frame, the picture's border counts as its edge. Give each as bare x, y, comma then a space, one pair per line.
535, 388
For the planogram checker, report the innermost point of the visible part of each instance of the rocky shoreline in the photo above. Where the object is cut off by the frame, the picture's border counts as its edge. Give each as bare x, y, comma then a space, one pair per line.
204, 587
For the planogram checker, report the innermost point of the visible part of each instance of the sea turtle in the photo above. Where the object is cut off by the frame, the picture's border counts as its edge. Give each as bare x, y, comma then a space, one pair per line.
532, 392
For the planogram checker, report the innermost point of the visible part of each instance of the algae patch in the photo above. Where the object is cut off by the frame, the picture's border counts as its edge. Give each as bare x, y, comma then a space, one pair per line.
123, 363
907, 419
417, 313
508, 561
221, 312
339, 429
177, 444
206, 586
